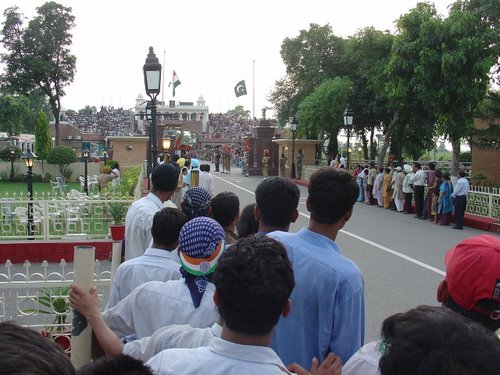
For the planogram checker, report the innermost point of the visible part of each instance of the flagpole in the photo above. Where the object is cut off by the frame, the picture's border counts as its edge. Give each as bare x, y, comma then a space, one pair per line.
253, 91
163, 81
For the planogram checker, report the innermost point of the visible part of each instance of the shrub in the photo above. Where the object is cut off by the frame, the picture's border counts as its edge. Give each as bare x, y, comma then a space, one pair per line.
63, 156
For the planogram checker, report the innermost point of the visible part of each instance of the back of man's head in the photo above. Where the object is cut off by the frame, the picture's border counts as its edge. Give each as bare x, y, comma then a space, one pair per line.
225, 207
332, 193
253, 281
25, 351
277, 200
117, 365
437, 341
167, 224
472, 284
165, 176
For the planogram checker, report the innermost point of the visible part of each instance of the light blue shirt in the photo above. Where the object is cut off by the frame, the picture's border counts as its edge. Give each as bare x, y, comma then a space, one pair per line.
461, 188
328, 308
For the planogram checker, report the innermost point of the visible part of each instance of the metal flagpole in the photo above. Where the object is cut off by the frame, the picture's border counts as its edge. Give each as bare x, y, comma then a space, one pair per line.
253, 92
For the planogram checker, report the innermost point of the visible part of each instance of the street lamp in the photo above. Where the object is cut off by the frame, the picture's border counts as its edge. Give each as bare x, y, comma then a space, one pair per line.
12, 157
165, 143
293, 126
348, 116
53, 142
85, 160
29, 159
105, 152
152, 81
359, 153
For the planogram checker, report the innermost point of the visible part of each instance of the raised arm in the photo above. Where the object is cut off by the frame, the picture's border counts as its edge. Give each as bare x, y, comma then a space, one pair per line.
88, 305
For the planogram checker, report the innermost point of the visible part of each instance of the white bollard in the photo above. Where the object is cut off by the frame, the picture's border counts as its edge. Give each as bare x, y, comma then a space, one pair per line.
81, 334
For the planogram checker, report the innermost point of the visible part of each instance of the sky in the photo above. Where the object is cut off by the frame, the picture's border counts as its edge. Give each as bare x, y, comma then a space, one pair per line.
211, 45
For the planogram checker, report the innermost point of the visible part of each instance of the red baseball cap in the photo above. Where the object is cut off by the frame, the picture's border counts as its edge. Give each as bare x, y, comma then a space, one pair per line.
473, 270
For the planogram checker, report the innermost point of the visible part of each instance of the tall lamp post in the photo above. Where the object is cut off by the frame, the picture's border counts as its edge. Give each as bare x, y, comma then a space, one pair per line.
12, 157
165, 143
29, 159
85, 173
293, 126
105, 152
348, 116
152, 81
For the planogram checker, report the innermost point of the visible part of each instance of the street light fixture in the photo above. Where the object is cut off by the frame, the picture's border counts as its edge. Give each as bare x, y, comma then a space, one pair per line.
29, 159
293, 126
166, 142
85, 160
348, 116
53, 142
152, 81
359, 153
12, 157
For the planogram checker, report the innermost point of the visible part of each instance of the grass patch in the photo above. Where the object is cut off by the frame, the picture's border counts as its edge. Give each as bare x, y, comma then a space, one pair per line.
11, 188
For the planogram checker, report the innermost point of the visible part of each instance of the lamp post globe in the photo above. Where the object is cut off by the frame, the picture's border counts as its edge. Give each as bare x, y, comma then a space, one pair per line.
12, 157
293, 126
152, 83
29, 160
348, 118
165, 143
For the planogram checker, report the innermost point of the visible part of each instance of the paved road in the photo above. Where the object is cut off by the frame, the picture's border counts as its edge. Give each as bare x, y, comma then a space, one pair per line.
401, 257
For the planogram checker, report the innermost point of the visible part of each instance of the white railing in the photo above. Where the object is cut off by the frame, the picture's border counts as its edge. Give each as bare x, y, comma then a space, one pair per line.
56, 218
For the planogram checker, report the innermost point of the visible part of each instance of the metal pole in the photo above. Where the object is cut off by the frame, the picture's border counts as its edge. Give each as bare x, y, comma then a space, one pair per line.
85, 186
12, 168
30, 203
348, 157
81, 335
293, 155
152, 131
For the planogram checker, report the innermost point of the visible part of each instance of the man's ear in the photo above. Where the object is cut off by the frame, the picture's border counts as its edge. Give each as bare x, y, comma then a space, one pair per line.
256, 214
295, 216
442, 292
286, 309
308, 204
216, 298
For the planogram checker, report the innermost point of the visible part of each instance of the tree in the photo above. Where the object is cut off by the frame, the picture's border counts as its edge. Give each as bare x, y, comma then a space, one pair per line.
321, 112
367, 54
39, 56
13, 110
469, 50
310, 58
42, 139
63, 156
240, 111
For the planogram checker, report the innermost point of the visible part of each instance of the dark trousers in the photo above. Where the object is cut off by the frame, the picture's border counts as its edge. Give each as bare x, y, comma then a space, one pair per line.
369, 190
419, 199
408, 207
460, 203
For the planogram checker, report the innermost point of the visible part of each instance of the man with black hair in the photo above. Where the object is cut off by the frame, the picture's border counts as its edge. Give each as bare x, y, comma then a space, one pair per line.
226, 211
25, 351
460, 192
156, 263
206, 180
417, 181
437, 341
139, 218
116, 365
277, 199
328, 299
253, 280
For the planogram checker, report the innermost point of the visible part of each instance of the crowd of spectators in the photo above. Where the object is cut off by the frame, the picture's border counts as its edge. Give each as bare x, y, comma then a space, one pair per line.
106, 121
227, 126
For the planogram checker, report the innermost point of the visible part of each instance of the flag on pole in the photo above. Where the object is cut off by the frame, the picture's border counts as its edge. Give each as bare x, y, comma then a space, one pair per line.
175, 82
240, 89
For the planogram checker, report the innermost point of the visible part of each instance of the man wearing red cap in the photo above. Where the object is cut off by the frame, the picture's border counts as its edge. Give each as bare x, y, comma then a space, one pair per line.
472, 283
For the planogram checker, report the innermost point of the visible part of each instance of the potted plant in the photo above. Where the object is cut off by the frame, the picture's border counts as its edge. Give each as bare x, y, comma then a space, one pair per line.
117, 227
54, 301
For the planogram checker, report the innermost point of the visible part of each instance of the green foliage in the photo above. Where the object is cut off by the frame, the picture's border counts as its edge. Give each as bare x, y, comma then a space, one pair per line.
465, 157
117, 211
240, 111
5, 152
13, 110
322, 111
38, 56
52, 301
43, 141
63, 156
